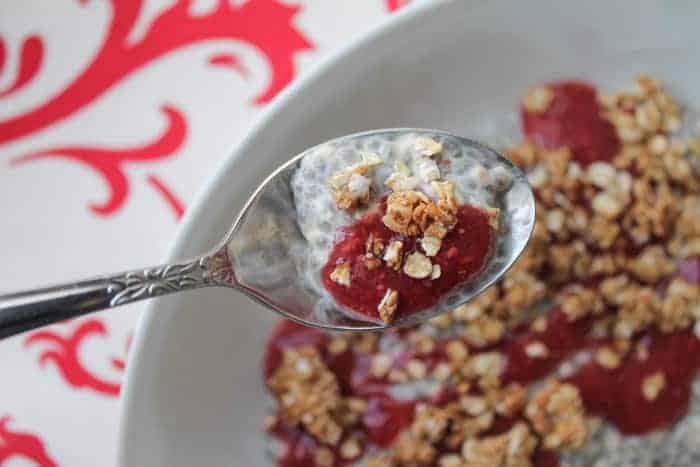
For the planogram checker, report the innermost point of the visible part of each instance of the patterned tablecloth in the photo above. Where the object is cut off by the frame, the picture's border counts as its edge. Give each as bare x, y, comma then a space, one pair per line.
112, 115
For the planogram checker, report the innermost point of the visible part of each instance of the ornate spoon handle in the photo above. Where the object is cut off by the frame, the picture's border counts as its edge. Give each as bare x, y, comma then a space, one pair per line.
31, 309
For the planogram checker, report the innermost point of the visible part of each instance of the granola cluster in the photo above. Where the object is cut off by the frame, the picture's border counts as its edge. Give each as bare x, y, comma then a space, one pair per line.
309, 397
461, 428
350, 187
556, 413
622, 226
606, 248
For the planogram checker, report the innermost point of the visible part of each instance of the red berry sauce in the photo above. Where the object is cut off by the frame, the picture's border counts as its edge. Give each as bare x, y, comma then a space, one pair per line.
573, 120
464, 252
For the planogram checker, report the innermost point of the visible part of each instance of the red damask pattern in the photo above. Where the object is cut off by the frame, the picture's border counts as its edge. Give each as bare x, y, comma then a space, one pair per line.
119, 363
31, 57
110, 163
172, 201
393, 5
20, 445
64, 353
266, 25
230, 61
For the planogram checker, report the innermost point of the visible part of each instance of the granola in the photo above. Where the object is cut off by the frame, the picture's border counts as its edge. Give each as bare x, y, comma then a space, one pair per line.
601, 284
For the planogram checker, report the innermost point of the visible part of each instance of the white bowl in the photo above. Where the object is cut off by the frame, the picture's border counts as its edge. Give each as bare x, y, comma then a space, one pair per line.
193, 393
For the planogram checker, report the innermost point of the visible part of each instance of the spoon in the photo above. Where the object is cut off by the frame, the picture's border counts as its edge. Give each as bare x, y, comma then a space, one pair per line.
259, 257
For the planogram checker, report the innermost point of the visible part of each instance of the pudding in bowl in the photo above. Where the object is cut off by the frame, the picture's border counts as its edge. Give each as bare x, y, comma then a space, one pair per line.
584, 354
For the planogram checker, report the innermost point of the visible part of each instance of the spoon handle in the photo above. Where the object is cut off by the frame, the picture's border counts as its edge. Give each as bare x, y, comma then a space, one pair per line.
31, 309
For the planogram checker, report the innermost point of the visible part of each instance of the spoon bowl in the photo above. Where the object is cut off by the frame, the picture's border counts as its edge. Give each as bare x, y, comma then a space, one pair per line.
265, 242
262, 253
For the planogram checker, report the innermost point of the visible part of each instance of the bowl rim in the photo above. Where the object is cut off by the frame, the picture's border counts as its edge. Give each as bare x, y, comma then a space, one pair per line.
301, 84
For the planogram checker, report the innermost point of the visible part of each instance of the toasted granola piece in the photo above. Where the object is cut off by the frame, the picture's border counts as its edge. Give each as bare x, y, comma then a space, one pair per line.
416, 369
487, 366
474, 405
308, 393
451, 460
466, 427
556, 222
350, 187
601, 174
350, 449
638, 308
651, 265
569, 261
430, 423
380, 365
557, 162
375, 246
456, 351
648, 116
399, 181
417, 266
539, 324
513, 448
411, 451
602, 232
323, 457
680, 170
446, 192
577, 303
493, 215
521, 290
341, 274
604, 265
393, 254
480, 328
431, 245
428, 147
607, 358
612, 287
537, 99
436, 230
653, 385
351, 410
507, 401
608, 204
658, 144
381, 460
397, 376
679, 307
536, 349
399, 211
338, 345
362, 342
556, 412
372, 262
387, 306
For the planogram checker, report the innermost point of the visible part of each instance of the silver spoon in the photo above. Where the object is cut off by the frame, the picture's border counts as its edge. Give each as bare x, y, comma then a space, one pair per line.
267, 270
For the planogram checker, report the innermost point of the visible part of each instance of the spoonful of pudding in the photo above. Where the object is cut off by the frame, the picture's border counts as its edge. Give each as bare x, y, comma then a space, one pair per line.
368, 231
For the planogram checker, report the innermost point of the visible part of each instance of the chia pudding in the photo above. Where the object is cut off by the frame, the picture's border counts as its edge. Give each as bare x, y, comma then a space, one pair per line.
394, 223
586, 353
